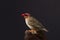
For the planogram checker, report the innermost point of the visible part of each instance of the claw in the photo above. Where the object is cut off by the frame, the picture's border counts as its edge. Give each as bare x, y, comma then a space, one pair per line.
33, 31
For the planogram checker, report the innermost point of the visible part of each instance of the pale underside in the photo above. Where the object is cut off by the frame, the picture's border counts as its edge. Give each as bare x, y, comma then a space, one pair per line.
28, 24
32, 23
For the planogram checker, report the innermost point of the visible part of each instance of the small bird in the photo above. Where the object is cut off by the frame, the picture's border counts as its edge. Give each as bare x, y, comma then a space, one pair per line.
33, 23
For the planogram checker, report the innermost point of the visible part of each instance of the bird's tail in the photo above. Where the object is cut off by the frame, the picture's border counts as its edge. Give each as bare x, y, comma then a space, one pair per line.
44, 29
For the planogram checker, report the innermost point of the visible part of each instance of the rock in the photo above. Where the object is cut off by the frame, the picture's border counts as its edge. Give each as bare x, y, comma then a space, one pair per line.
39, 36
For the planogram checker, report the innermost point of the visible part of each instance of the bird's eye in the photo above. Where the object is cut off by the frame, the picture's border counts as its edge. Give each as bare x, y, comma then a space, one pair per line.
26, 15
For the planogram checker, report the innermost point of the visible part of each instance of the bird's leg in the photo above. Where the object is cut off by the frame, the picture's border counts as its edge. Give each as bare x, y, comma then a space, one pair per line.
28, 30
33, 31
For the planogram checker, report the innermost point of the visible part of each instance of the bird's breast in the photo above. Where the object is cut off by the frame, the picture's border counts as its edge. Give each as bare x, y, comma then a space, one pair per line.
26, 20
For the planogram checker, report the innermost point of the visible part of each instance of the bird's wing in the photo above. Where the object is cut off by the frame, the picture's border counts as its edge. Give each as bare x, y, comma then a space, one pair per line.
34, 22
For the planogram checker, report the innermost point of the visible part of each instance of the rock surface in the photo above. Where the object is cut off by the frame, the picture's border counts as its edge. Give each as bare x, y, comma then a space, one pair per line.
39, 36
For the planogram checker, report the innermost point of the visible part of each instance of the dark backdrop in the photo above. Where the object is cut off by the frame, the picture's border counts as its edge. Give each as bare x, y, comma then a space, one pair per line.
46, 11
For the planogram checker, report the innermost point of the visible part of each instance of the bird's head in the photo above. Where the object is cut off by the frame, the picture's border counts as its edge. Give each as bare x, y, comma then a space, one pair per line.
25, 15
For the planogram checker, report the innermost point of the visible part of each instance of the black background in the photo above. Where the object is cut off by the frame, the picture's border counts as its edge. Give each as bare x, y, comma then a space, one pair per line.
46, 11
13, 25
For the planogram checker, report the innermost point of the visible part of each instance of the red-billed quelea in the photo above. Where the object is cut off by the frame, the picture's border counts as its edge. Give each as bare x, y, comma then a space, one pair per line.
33, 23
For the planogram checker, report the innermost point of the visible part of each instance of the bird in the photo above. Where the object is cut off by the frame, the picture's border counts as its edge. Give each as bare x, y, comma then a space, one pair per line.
33, 23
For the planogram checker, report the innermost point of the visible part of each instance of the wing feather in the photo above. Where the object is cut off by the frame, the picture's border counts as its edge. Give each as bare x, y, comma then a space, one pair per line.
34, 22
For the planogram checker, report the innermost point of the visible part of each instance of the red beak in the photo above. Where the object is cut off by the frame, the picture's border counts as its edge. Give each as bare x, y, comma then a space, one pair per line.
22, 14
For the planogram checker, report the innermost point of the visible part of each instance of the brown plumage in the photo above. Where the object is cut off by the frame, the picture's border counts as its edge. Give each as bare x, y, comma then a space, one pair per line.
33, 23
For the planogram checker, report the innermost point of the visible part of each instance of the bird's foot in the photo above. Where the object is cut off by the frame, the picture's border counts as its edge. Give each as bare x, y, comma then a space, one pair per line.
33, 31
